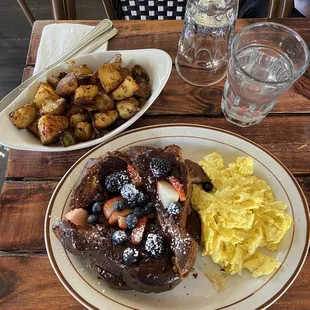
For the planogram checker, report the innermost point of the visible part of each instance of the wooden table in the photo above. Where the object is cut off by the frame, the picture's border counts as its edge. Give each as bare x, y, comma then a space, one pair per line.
27, 280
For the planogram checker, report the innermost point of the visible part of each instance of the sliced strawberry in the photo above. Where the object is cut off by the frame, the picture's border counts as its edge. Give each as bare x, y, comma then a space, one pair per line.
178, 187
138, 231
134, 175
108, 207
114, 217
122, 222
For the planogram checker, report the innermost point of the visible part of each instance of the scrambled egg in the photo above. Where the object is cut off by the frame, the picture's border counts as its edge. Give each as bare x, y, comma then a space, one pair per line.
239, 216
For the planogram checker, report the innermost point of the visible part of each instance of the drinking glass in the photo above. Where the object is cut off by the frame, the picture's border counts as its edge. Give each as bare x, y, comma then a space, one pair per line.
266, 59
205, 41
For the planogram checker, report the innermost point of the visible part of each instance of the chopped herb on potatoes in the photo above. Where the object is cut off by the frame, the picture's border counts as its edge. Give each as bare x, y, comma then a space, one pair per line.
85, 103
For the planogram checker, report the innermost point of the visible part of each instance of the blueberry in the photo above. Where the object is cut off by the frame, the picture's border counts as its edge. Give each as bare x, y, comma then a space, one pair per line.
155, 245
97, 207
131, 221
148, 209
92, 219
174, 208
131, 256
114, 182
160, 167
119, 237
207, 186
138, 211
120, 205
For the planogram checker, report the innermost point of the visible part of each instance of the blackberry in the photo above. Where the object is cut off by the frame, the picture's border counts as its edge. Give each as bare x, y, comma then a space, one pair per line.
207, 186
160, 167
92, 219
114, 182
97, 207
174, 208
131, 221
148, 209
155, 245
120, 205
119, 237
132, 194
131, 256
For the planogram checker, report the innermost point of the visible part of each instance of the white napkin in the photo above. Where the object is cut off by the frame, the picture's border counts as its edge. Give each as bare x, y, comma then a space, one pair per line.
57, 39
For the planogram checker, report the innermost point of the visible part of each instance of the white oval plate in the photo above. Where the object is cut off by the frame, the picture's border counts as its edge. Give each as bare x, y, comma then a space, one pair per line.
156, 62
240, 292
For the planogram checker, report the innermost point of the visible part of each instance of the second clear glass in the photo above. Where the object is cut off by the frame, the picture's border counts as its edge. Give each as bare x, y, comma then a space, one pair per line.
205, 41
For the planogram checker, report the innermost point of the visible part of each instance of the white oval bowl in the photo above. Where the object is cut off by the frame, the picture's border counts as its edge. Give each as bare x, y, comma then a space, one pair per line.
156, 62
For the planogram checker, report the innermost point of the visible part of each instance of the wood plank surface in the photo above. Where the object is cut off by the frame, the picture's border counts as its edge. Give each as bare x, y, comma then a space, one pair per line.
292, 146
30, 283
22, 209
181, 98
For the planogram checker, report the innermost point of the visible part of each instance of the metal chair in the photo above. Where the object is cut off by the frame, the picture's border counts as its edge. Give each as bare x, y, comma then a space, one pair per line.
62, 9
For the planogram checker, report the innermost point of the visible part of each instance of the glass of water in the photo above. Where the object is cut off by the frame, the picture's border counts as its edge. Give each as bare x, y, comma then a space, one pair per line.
265, 60
205, 41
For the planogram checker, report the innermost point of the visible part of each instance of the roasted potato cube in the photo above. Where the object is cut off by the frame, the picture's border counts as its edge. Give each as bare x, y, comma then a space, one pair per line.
126, 89
75, 109
90, 107
84, 131
127, 108
104, 120
44, 92
144, 90
50, 127
109, 77
94, 80
53, 81
67, 85
116, 61
33, 127
104, 102
85, 94
124, 72
24, 116
68, 138
82, 70
138, 71
54, 107
77, 118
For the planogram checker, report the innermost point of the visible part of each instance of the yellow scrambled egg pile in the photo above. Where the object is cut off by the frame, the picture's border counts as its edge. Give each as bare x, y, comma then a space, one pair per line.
239, 216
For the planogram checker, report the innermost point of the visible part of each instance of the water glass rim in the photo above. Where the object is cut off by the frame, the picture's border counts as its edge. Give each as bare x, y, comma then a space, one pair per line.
288, 29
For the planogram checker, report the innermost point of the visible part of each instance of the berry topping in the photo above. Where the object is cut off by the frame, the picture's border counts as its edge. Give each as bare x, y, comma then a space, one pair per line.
174, 208
134, 175
160, 167
155, 245
93, 219
121, 221
113, 219
207, 186
131, 256
137, 233
97, 207
108, 207
148, 209
120, 205
119, 237
133, 195
131, 221
166, 193
178, 187
77, 216
114, 182
138, 211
